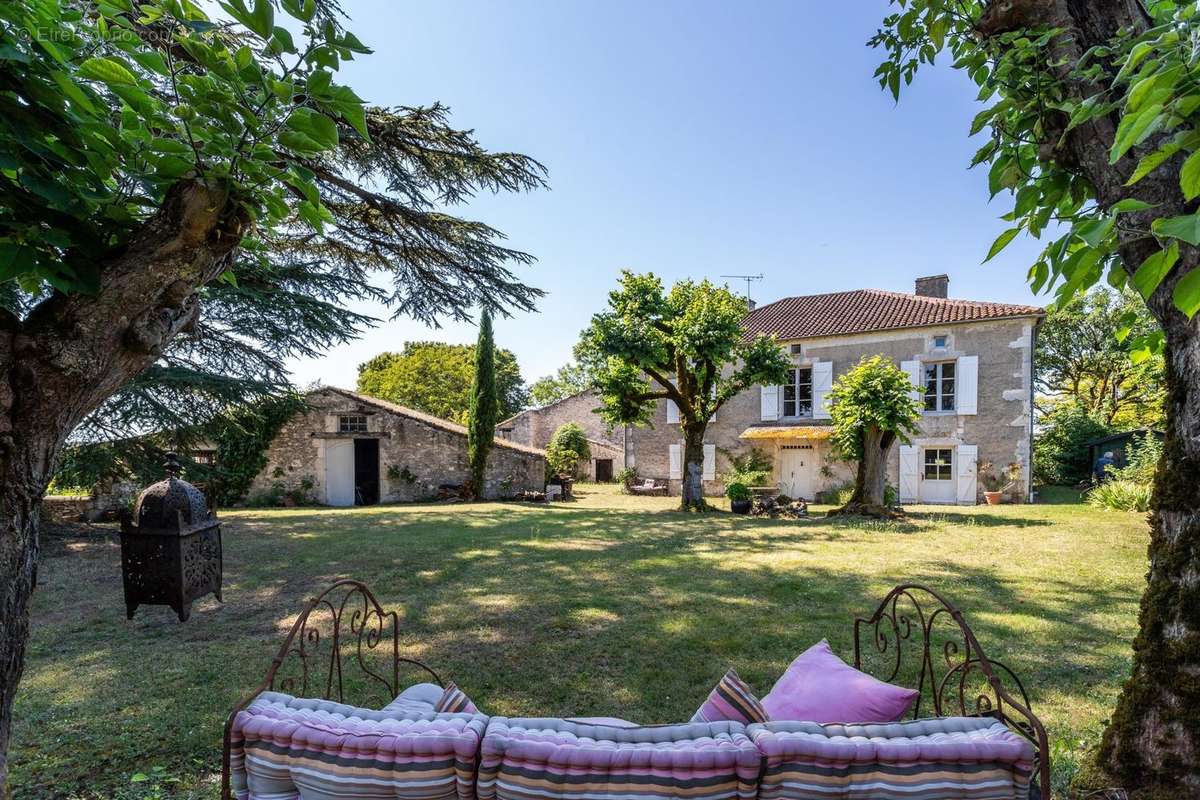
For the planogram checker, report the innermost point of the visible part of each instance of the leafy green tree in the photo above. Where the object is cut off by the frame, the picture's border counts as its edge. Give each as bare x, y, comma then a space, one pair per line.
1060, 452
485, 405
1092, 126
436, 377
685, 345
187, 201
567, 449
1081, 358
569, 380
872, 407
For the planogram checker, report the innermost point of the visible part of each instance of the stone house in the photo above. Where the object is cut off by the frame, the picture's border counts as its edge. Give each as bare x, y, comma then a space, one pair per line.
535, 426
351, 449
973, 360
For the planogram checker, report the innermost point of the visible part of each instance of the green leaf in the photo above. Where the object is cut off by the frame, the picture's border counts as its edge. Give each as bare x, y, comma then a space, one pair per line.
1001, 242
1095, 231
1153, 161
1187, 293
1129, 204
1189, 176
263, 18
318, 129
1134, 128
1152, 271
107, 70
1186, 228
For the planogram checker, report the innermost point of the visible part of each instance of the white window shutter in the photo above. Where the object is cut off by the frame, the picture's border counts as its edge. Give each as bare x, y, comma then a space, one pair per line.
710, 462
909, 473
672, 411
913, 370
966, 388
822, 380
968, 455
676, 456
770, 403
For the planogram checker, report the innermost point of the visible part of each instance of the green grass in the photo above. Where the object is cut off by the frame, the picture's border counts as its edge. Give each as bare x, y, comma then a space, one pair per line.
609, 605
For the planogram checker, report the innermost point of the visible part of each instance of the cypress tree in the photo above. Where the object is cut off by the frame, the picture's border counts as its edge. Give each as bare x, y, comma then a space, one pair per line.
485, 403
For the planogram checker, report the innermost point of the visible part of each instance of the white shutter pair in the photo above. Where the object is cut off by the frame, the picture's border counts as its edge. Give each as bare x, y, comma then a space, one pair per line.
675, 456
910, 473
966, 382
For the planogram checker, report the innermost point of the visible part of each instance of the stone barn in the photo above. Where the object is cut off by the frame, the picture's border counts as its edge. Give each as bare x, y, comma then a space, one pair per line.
350, 449
534, 427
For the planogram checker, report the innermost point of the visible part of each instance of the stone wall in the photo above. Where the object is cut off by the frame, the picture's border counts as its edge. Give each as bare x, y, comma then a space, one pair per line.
1001, 428
66, 507
535, 426
417, 453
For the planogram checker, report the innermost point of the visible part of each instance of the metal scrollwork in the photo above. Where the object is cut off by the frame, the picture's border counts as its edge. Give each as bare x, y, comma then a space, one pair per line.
340, 629
947, 667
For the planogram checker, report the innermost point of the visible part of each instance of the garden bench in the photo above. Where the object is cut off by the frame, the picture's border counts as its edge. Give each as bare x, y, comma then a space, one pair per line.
649, 487
978, 738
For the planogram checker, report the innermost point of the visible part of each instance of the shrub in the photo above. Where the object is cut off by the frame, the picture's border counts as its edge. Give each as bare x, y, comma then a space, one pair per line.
994, 481
1060, 453
568, 448
1141, 460
1120, 494
752, 468
627, 477
737, 491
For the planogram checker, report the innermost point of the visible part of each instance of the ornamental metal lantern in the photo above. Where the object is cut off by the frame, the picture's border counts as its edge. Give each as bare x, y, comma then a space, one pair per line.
171, 554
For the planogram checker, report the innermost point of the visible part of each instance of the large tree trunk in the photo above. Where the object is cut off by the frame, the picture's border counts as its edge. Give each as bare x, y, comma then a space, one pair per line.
692, 494
1152, 745
870, 482
73, 352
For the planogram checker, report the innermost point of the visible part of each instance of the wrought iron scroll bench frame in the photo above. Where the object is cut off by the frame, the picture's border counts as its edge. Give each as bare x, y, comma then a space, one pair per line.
357, 627
956, 678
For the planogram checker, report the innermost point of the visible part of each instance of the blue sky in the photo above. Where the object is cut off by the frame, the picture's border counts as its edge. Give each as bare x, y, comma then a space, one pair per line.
691, 139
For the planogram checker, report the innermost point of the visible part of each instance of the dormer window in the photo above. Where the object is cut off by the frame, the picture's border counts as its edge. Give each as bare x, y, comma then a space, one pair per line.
797, 393
352, 423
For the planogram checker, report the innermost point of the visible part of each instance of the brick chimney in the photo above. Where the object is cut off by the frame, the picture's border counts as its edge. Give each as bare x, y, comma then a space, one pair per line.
933, 286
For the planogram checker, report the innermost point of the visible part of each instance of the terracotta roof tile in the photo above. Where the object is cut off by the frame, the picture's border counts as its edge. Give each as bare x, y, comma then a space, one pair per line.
867, 310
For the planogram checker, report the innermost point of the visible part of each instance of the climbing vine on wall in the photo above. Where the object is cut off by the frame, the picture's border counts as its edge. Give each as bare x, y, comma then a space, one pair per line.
242, 437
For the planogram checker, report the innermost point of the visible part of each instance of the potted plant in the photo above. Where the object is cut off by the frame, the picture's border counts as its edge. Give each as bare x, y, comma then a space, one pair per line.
996, 484
739, 497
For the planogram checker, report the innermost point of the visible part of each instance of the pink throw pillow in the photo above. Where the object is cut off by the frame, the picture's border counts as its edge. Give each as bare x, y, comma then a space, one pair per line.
820, 687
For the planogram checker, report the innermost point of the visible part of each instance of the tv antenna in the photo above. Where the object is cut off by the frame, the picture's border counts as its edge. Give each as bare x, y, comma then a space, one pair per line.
748, 279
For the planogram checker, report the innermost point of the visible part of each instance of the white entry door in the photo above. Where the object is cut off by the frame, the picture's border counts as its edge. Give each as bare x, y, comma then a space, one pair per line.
938, 476
797, 467
339, 472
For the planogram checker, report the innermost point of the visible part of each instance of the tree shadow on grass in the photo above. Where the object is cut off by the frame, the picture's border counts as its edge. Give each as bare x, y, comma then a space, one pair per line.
553, 611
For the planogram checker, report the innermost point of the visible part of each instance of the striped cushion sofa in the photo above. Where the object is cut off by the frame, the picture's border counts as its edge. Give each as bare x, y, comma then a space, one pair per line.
282, 747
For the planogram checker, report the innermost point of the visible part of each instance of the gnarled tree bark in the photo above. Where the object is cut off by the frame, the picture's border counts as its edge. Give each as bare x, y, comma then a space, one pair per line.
70, 354
1152, 745
870, 480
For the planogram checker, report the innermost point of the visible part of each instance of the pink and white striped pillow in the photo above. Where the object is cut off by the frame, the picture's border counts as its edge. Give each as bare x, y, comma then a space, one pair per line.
454, 701
731, 700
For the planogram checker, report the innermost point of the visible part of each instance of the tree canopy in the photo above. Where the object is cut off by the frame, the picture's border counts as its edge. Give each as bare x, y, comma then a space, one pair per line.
1081, 358
569, 380
685, 345
436, 377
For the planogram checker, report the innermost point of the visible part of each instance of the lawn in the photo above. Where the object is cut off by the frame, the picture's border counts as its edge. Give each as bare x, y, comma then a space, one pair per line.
608, 605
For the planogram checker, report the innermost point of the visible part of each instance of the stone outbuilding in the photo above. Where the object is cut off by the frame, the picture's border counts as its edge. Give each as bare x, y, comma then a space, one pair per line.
351, 449
535, 426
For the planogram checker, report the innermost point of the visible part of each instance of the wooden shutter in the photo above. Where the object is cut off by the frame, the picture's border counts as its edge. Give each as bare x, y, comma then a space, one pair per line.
913, 370
822, 383
966, 388
909, 473
710, 462
770, 403
968, 455
675, 453
672, 411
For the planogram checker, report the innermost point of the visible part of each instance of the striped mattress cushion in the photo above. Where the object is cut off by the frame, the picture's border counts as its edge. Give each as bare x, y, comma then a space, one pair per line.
286, 748
948, 758
538, 759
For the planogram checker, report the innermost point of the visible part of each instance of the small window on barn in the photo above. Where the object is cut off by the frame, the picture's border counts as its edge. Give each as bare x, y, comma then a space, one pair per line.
352, 423
206, 457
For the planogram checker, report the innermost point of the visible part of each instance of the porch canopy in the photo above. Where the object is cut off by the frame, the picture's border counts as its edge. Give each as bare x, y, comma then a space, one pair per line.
805, 433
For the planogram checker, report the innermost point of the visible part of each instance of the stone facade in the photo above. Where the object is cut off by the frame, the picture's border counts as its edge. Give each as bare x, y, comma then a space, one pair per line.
417, 454
1000, 429
534, 427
